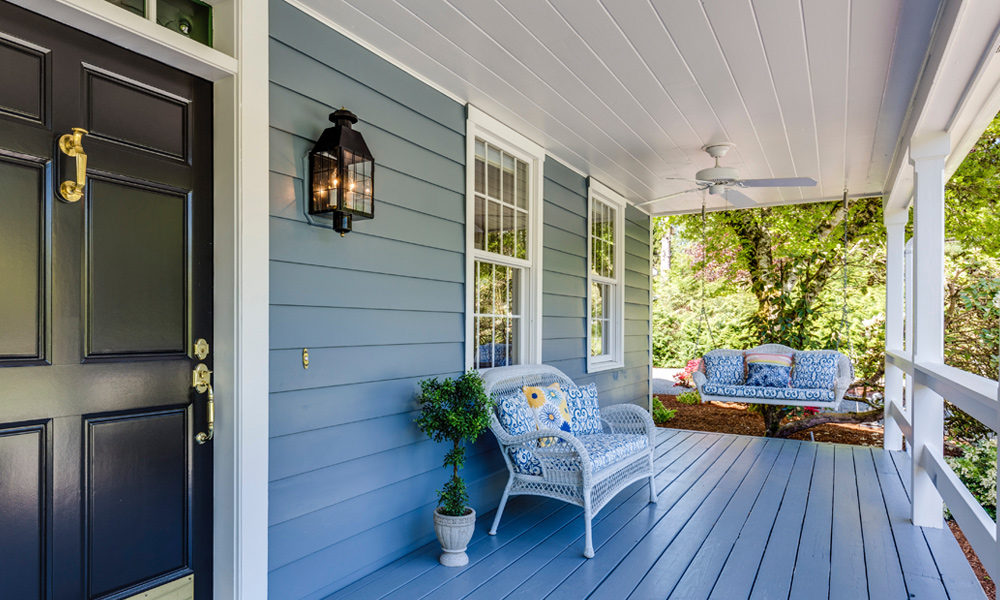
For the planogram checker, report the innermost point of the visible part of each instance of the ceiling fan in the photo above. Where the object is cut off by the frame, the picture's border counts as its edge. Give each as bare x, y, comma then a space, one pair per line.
723, 181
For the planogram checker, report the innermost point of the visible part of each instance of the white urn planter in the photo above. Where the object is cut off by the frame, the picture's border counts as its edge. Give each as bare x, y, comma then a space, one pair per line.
454, 534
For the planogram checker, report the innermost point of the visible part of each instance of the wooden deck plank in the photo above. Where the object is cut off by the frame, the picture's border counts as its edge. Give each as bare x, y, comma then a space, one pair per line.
885, 575
773, 578
740, 533
692, 556
737, 518
525, 513
954, 569
674, 478
847, 558
677, 502
636, 564
811, 576
737, 576
568, 539
920, 573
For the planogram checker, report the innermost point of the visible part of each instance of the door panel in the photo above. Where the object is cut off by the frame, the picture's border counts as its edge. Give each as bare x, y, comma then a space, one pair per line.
22, 269
22, 511
104, 493
119, 110
137, 266
27, 64
147, 503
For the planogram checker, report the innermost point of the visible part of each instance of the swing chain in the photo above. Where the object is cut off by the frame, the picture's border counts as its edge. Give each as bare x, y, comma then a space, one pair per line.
844, 316
703, 320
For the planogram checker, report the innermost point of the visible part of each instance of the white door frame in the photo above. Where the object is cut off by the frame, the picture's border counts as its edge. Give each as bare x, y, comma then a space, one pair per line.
238, 66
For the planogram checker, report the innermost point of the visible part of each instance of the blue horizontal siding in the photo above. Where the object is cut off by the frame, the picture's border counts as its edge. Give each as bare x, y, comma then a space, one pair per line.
352, 479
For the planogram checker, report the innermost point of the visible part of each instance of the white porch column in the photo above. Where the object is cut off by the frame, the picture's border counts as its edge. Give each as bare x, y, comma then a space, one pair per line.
908, 334
928, 157
895, 227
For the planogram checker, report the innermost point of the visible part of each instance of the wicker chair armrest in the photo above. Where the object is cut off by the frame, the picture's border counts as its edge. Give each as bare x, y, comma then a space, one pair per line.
629, 418
699, 379
558, 457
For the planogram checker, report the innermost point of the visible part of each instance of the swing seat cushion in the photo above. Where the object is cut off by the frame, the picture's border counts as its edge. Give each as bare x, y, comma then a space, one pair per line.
815, 370
724, 369
752, 392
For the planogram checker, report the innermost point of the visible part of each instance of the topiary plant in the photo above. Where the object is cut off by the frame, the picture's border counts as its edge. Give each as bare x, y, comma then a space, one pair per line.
455, 411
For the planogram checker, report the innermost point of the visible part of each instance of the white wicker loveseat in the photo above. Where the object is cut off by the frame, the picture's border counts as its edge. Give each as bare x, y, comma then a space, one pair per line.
586, 470
790, 396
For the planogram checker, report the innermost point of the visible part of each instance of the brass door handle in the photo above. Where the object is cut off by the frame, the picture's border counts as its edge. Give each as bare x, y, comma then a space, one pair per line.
201, 381
71, 144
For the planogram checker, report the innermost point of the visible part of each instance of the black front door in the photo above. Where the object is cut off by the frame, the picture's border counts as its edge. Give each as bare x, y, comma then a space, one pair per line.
104, 492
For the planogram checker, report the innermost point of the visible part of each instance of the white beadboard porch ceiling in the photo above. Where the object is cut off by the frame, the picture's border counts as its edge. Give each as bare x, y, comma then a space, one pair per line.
629, 91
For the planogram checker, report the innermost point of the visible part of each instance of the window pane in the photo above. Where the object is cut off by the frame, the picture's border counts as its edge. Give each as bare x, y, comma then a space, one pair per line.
522, 184
495, 229
521, 234
498, 315
596, 300
493, 173
508, 228
596, 339
480, 233
508, 179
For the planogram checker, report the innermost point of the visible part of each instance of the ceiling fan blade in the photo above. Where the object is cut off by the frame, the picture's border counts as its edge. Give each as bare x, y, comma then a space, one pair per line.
697, 189
739, 200
781, 182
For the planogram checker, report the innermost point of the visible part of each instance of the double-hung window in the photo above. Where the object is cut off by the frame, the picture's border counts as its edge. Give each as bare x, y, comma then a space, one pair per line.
606, 287
503, 241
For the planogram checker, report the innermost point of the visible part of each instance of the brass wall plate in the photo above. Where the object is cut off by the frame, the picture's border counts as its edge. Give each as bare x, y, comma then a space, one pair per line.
305, 358
178, 589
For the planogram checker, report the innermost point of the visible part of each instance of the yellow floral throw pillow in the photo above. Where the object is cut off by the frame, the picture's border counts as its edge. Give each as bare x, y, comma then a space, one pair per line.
548, 404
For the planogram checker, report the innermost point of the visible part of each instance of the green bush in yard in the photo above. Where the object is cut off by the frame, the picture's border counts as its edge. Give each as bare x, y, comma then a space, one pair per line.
690, 398
662, 414
977, 468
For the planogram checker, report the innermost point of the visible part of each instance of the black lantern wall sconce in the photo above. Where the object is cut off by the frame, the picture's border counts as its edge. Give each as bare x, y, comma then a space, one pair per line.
341, 175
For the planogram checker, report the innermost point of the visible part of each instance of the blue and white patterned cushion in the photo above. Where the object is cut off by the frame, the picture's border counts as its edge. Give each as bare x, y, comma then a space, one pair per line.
584, 410
724, 370
816, 370
608, 448
514, 414
549, 406
524, 460
750, 392
768, 375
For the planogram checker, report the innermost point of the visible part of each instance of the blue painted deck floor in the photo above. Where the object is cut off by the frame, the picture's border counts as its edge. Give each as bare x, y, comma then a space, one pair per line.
738, 517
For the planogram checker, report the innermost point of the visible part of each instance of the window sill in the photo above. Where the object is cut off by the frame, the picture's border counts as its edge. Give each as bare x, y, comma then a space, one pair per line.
596, 366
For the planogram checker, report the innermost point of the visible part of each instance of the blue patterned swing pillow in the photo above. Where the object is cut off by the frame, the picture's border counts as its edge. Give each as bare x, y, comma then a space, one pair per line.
815, 370
724, 369
769, 370
584, 410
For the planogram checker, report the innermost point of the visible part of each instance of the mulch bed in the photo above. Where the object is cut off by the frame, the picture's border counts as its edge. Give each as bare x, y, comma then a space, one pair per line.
733, 417
989, 586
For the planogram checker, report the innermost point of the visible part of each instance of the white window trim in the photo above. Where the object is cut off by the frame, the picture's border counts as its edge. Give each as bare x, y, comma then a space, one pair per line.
616, 358
481, 125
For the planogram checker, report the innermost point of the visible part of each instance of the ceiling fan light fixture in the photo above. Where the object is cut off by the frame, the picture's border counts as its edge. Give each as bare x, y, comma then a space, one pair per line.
717, 175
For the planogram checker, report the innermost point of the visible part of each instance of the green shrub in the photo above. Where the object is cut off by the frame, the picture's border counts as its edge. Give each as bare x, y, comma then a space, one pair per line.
690, 398
662, 414
455, 411
977, 468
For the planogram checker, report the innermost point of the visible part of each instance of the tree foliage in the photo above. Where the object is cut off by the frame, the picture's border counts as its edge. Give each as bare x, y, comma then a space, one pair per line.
454, 411
776, 275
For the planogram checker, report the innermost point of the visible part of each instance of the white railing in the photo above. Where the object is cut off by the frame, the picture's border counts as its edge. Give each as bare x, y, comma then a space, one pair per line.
975, 395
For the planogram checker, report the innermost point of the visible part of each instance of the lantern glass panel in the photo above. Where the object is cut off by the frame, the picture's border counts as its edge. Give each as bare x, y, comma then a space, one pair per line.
325, 179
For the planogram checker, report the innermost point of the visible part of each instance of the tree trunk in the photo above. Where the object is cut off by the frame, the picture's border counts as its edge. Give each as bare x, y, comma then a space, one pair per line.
823, 418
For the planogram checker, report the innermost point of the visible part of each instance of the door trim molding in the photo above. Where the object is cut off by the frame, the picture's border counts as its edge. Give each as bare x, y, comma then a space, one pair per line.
241, 240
